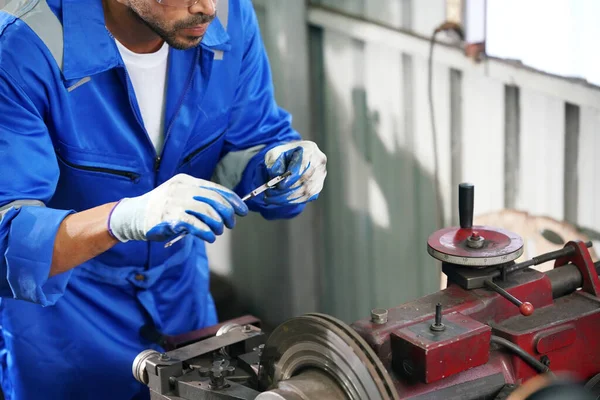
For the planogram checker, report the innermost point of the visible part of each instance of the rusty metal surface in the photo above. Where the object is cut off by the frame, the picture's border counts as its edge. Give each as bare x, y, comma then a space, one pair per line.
420, 353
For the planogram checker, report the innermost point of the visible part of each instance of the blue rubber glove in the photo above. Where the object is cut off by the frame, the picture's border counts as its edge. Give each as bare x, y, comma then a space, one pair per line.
308, 167
182, 204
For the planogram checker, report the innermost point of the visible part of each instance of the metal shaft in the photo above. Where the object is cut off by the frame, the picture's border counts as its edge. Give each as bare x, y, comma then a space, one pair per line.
553, 255
503, 292
438, 314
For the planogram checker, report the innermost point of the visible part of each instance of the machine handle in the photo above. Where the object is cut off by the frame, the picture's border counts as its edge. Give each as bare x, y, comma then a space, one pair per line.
526, 308
466, 194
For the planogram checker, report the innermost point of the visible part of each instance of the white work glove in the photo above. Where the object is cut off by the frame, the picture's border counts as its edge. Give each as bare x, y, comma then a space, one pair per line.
308, 167
181, 204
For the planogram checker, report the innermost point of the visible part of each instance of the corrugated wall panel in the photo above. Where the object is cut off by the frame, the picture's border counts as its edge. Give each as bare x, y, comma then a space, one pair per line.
396, 13
589, 169
542, 144
387, 149
483, 141
424, 144
349, 6
345, 194
380, 193
399, 181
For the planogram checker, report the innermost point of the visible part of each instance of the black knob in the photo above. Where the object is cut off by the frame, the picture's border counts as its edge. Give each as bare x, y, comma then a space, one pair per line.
466, 194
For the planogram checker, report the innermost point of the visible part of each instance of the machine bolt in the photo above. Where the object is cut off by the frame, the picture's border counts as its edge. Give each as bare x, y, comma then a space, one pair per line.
438, 326
379, 316
164, 357
246, 329
545, 360
475, 241
217, 373
259, 349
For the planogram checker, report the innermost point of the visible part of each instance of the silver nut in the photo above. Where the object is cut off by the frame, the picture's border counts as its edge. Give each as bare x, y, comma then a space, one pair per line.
379, 316
247, 329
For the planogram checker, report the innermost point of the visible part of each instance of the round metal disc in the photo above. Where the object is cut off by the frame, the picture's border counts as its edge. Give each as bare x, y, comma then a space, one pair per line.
323, 343
451, 245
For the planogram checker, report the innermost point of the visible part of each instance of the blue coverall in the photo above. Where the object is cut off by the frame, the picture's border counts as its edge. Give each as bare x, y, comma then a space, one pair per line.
72, 138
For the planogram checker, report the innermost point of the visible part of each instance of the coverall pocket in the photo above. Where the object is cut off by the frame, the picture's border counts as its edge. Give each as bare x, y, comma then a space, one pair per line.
203, 150
89, 179
112, 166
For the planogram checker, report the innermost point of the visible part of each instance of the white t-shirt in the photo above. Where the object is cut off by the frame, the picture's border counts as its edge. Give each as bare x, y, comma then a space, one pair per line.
148, 73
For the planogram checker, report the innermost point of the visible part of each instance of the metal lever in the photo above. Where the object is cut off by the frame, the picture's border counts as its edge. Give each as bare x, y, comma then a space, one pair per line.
553, 255
526, 308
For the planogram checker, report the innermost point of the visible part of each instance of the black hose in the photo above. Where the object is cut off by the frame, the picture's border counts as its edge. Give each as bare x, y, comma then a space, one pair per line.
531, 360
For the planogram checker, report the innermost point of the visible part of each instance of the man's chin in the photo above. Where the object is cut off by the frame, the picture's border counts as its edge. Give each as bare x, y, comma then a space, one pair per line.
184, 42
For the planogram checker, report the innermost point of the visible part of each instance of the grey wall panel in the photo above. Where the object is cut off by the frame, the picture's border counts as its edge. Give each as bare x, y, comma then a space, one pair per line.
356, 7
512, 132
423, 129
346, 225
394, 13
456, 139
380, 205
542, 144
571, 175
484, 140
588, 165
427, 15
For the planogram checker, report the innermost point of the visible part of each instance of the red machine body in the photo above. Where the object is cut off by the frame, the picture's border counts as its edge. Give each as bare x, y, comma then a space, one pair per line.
496, 325
463, 361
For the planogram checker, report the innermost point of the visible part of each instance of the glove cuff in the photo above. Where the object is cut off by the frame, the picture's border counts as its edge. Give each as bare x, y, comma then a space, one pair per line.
124, 221
108, 221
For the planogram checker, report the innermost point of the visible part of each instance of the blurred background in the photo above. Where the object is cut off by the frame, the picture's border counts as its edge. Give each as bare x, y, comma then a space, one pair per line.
507, 101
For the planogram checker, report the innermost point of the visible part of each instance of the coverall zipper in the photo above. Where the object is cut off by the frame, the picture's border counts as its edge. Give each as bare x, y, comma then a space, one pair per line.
157, 158
194, 153
186, 90
131, 175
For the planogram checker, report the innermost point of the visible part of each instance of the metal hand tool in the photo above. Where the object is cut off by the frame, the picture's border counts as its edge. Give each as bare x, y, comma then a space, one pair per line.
247, 197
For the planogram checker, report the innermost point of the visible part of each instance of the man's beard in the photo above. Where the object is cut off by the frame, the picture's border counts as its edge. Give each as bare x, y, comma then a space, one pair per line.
170, 35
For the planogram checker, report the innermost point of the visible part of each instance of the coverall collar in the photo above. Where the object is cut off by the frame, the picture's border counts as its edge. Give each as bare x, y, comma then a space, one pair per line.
89, 47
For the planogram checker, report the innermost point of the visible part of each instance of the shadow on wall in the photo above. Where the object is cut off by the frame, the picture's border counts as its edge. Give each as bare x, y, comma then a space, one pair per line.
379, 209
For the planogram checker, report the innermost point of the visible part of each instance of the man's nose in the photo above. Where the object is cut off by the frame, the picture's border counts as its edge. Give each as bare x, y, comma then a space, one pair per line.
206, 7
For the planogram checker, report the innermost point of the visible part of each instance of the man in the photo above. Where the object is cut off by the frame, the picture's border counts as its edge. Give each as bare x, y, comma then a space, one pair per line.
124, 123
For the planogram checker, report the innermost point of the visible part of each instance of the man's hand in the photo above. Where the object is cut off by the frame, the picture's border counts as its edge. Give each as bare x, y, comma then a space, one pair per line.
308, 167
182, 204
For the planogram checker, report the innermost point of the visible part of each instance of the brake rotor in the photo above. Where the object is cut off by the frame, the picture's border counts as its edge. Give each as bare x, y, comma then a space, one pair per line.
322, 343
479, 246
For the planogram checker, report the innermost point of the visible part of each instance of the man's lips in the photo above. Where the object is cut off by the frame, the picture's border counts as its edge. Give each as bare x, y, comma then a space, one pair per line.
197, 30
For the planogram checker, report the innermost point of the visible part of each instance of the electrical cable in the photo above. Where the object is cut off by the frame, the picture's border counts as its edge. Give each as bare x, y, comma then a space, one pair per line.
538, 365
436, 171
